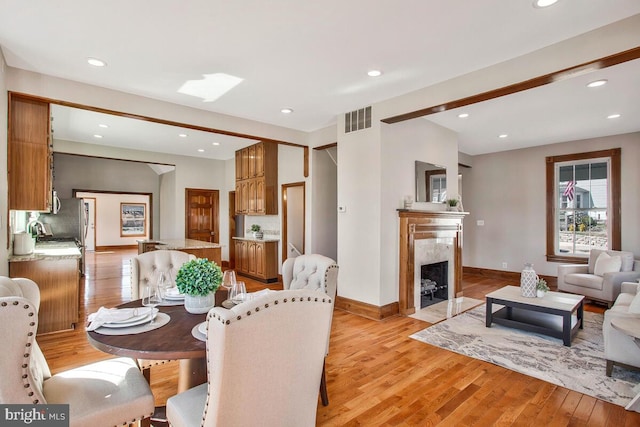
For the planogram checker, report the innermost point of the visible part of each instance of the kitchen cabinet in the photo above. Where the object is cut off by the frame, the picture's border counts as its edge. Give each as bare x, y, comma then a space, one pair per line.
256, 189
30, 154
257, 259
58, 279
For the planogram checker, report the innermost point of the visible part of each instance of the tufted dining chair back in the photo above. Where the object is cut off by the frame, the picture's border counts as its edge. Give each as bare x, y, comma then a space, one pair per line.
111, 392
146, 267
313, 272
264, 363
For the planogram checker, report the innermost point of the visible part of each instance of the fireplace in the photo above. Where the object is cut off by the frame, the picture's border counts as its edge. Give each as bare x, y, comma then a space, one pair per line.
434, 280
428, 237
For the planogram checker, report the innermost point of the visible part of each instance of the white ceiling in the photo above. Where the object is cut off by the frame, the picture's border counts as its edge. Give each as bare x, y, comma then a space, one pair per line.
309, 56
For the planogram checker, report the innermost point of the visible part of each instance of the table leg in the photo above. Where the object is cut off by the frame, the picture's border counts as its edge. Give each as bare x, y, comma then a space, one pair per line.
192, 372
489, 314
581, 314
566, 329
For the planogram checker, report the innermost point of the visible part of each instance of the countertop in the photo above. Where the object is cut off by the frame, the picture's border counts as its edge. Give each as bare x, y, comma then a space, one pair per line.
50, 251
253, 239
181, 244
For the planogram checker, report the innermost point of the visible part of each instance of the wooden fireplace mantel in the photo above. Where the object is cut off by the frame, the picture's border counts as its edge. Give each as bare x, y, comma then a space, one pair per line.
417, 225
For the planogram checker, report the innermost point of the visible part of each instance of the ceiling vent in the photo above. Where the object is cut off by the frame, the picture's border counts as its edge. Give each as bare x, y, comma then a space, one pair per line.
358, 119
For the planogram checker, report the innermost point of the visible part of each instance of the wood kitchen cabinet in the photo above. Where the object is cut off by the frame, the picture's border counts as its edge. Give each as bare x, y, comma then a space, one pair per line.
29, 152
256, 189
58, 281
257, 259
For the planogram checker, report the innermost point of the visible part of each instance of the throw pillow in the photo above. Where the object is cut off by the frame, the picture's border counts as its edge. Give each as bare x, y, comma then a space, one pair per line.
634, 307
607, 264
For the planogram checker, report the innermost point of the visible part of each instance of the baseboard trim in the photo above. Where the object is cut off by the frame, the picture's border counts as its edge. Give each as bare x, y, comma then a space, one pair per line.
109, 248
369, 311
552, 281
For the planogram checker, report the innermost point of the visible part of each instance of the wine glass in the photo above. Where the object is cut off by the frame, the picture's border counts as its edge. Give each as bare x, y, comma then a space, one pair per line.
228, 280
151, 298
238, 293
163, 284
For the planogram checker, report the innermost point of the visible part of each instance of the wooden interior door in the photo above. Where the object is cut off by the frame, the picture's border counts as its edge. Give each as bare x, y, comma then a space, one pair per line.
201, 215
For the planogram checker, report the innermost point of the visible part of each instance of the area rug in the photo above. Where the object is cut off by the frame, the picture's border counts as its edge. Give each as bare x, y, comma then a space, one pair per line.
580, 367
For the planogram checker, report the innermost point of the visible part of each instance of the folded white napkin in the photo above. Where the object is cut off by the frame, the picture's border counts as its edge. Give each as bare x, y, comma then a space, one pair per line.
174, 292
114, 315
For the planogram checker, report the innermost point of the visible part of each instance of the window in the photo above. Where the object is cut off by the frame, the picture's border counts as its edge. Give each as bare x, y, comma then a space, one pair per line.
583, 204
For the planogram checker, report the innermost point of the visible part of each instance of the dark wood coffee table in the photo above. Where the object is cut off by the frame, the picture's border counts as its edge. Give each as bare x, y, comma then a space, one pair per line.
551, 315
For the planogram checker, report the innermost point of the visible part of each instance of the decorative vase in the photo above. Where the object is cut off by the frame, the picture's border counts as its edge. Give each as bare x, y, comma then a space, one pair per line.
258, 235
528, 281
199, 304
540, 293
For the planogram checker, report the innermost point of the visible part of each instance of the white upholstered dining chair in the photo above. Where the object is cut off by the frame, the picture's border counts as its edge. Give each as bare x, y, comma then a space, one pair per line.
145, 268
264, 363
111, 392
317, 273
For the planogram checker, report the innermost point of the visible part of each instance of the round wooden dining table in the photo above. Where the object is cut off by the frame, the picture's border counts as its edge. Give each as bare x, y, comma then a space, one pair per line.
168, 342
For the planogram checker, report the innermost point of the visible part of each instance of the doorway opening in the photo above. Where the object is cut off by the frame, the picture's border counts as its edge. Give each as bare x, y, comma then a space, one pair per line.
293, 224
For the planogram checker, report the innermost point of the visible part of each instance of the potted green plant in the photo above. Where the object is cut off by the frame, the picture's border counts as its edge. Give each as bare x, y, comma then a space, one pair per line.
452, 204
541, 288
257, 231
198, 280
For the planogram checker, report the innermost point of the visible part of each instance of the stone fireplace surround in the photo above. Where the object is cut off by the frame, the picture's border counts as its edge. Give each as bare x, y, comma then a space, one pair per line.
425, 237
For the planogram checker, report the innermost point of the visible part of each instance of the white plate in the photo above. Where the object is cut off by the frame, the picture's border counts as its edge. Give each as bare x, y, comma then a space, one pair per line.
173, 294
174, 297
202, 328
139, 321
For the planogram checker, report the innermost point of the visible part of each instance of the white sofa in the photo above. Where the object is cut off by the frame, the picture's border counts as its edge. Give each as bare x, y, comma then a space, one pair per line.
581, 279
620, 348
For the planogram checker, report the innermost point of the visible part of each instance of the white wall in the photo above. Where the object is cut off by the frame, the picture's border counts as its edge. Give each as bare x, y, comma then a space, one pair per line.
507, 191
359, 184
4, 188
108, 217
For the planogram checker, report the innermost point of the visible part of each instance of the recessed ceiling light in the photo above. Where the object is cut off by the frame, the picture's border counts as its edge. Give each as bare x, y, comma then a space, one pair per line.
97, 136
613, 116
597, 83
463, 115
544, 3
200, 150
504, 135
96, 62
103, 125
374, 73
216, 143
182, 135
286, 110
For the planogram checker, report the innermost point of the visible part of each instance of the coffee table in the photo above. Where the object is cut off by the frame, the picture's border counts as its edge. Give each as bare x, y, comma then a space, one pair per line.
551, 315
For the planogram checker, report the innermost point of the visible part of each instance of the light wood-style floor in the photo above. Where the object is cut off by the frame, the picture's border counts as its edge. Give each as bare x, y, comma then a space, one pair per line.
376, 374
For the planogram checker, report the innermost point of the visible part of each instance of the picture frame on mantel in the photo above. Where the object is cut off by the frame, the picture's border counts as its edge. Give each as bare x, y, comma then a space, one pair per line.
133, 220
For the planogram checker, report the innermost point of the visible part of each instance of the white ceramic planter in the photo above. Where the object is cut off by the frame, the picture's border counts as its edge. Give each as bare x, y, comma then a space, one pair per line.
197, 304
540, 293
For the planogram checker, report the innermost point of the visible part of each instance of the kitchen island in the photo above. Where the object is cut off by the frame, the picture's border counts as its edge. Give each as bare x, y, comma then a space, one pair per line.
211, 251
55, 267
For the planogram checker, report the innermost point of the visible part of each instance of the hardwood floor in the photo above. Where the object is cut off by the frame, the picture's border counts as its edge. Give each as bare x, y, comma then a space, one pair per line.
376, 374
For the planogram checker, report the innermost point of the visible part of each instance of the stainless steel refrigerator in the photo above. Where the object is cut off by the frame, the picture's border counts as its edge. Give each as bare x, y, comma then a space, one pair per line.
68, 225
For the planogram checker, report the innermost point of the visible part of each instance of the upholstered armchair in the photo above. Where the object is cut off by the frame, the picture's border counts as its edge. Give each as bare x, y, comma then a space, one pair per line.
146, 267
317, 273
603, 285
112, 392
620, 348
264, 363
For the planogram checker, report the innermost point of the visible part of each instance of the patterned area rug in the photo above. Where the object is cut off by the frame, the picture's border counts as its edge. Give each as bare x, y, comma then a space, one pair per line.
580, 367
